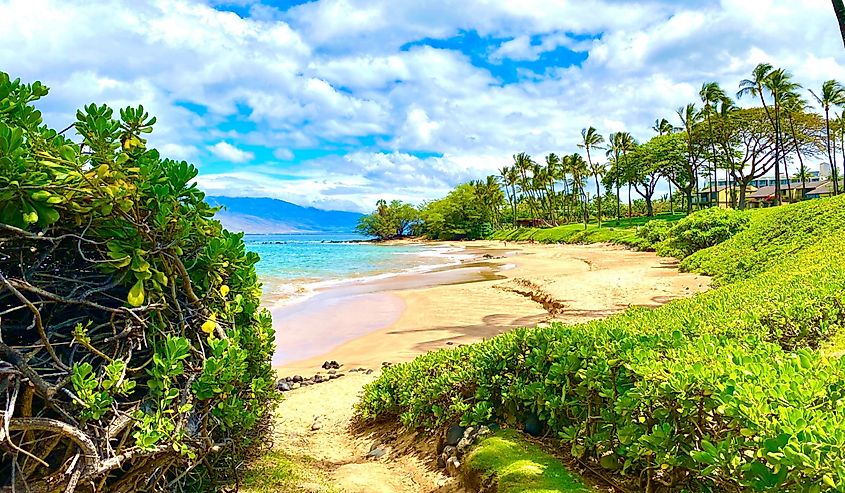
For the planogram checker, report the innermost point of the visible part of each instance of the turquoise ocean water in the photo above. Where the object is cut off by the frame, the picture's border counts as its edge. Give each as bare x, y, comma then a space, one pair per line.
294, 264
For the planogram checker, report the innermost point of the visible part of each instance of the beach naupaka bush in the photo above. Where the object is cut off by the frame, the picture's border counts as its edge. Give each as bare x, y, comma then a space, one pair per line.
133, 350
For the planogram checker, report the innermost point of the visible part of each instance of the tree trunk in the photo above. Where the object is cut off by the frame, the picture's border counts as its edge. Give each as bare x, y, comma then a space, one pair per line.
742, 189
671, 202
649, 207
689, 201
839, 8
777, 152
598, 199
630, 214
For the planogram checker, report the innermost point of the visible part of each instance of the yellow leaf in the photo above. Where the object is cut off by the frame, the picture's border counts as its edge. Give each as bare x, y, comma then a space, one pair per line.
209, 325
224, 290
136, 294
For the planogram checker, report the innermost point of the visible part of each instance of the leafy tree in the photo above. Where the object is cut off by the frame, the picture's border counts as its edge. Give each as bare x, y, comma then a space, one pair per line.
464, 213
388, 221
591, 139
712, 96
650, 161
832, 94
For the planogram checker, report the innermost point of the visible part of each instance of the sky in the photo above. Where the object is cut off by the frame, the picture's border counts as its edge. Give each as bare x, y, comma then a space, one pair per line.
337, 103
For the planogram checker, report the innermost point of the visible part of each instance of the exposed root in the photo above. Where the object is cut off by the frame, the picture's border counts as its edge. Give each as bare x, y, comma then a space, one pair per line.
534, 292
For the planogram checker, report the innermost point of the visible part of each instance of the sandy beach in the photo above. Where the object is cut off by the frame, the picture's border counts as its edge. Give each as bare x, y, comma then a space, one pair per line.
396, 319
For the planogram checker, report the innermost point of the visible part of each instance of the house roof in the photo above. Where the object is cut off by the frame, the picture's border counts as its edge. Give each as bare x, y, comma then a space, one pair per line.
823, 187
763, 193
711, 189
769, 191
808, 185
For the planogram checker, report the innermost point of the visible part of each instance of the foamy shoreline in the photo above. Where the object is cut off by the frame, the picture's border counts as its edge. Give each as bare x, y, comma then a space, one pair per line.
448, 254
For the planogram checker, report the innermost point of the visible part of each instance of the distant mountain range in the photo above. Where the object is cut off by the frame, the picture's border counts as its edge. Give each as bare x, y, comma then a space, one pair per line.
263, 215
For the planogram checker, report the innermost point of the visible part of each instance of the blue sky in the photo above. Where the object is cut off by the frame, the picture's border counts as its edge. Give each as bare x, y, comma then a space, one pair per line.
336, 103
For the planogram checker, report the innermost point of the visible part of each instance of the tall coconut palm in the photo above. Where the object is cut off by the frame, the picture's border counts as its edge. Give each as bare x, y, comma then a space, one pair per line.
525, 166
711, 95
614, 153
754, 87
578, 169
553, 174
663, 127
832, 94
509, 177
779, 84
690, 117
592, 139
839, 9
627, 144
794, 104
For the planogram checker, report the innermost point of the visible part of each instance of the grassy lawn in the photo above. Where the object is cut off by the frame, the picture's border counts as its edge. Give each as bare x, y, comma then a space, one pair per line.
610, 232
521, 466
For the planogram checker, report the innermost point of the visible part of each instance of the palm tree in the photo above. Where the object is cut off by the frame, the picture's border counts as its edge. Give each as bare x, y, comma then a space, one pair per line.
578, 168
525, 165
614, 151
832, 93
591, 139
794, 104
839, 9
711, 95
779, 84
627, 143
509, 177
663, 127
754, 87
689, 118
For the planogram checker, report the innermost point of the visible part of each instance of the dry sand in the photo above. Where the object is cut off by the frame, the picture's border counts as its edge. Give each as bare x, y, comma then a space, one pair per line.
529, 285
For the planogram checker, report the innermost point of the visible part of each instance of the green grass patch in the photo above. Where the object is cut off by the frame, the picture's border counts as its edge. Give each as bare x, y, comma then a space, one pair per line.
624, 232
519, 466
279, 472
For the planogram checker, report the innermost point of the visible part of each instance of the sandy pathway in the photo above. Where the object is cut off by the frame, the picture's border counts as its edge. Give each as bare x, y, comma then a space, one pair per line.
341, 453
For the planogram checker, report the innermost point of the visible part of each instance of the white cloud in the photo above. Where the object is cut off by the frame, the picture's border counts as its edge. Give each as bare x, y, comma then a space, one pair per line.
228, 152
283, 154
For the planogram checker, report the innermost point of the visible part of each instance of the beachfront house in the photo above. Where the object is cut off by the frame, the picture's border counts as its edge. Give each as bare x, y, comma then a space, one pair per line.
789, 192
822, 189
722, 195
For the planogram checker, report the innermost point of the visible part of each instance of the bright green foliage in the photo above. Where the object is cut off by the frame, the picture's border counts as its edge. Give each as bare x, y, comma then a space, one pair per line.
721, 391
626, 234
700, 230
118, 267
392, 220
654, 232
467, 212
518, 466
771, 237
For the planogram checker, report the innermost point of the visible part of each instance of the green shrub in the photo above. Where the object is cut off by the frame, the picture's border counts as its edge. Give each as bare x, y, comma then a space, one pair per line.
721, 391
653, 232
700, 230
131, 322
